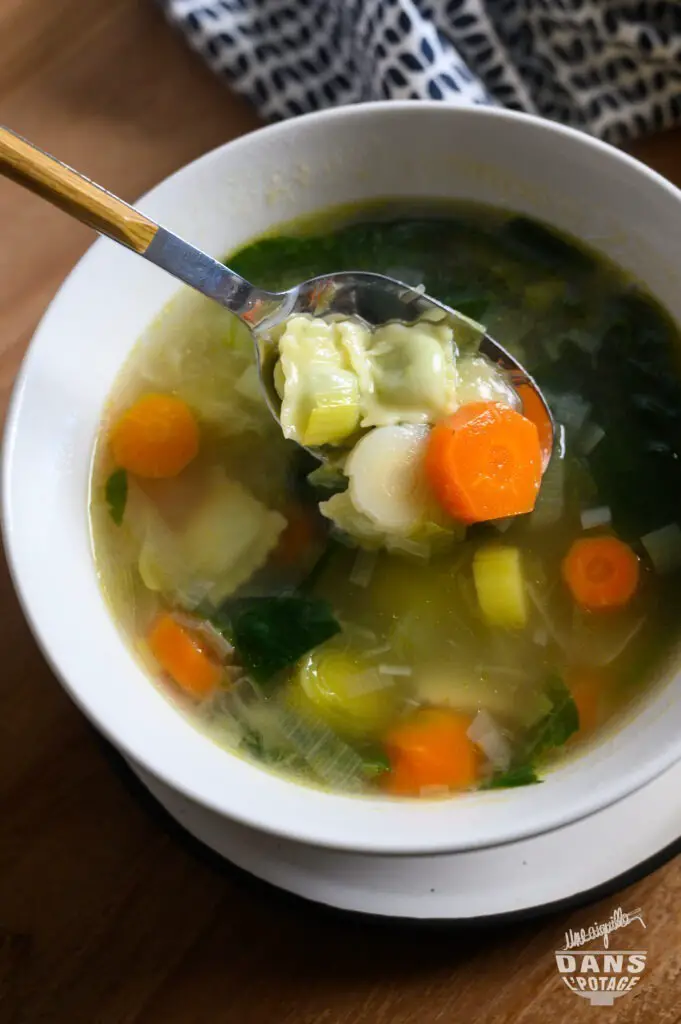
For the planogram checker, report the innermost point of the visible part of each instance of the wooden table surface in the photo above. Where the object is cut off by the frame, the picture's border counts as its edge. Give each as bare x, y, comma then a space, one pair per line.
108, 913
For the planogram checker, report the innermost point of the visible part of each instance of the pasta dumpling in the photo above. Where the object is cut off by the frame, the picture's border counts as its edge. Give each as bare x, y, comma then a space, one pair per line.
226, 540
320, 399
335, 376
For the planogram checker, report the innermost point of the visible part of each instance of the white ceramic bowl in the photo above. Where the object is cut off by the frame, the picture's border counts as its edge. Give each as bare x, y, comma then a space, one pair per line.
222, 201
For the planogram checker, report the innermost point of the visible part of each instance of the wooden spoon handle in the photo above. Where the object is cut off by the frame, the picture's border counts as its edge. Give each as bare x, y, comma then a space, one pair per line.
73, 193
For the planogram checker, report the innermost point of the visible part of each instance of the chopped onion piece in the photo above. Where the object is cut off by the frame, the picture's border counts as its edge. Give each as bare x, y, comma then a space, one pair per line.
551, 499
487, 735
624, 642
555, 632
380, 649
363, 568
248, 384
205, 628
409, 547
593, 517
664, 548
570, 409
586, 340
502, 525
216, 640
592, 435
395, 670
332, 760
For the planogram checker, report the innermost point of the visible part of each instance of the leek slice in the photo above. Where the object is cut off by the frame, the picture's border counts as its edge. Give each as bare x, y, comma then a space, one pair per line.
334, 417
387, 481
320, 398
351, 696
499, 584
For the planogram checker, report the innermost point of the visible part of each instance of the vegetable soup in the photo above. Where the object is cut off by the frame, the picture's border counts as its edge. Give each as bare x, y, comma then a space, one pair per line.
433, 609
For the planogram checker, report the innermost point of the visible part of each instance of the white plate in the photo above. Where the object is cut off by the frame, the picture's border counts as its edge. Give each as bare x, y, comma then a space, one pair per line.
519, 878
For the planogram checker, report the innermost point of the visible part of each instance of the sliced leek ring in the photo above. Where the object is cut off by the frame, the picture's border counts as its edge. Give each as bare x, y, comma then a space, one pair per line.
387, 479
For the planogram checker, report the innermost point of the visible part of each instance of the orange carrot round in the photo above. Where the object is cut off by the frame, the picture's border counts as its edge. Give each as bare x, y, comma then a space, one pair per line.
181, 653
484, 462
432, 748
586, 686
156, 437
601, 572
301, 533
533, 409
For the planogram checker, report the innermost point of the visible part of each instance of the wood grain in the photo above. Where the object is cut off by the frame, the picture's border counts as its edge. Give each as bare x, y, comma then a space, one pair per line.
109, 914
76, 195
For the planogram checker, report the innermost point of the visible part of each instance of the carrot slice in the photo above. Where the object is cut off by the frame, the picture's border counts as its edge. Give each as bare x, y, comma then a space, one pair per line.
484, 462
156, 437
180, 652
533, 409
601, 572
586, 687
432, 748
301, 533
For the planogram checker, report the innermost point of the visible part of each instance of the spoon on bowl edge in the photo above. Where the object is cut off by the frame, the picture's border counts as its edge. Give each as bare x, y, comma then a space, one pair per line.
374, 298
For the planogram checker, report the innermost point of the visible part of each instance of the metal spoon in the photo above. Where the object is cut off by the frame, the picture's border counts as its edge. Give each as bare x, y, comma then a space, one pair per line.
374, 298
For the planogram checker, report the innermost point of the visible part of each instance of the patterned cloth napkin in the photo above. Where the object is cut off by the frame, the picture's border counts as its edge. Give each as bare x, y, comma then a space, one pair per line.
609, 67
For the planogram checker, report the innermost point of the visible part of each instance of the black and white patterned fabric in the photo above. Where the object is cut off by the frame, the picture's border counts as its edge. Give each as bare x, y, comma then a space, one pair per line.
609, 67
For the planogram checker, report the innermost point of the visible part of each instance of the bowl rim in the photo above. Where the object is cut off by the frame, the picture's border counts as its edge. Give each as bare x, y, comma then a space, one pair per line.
327, 833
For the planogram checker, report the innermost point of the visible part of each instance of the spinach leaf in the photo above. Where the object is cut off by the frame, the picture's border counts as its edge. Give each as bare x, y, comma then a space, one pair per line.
536, 243
116, 494
327, 480
550, 732
521, 775
557, 726
265, 260
271, 633
638, 478
472, 306
375, 763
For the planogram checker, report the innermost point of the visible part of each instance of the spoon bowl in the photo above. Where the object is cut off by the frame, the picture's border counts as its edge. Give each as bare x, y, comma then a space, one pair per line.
377, 299
373, 298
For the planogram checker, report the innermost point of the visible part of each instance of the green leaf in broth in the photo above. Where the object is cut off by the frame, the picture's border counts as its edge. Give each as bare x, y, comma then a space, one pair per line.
272, 633
631, 383
550, 732
472, 305
116, 494
262, 262
521, 775
327, 480
557, 726
533, 242
376, 763
639, 478
374, 245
